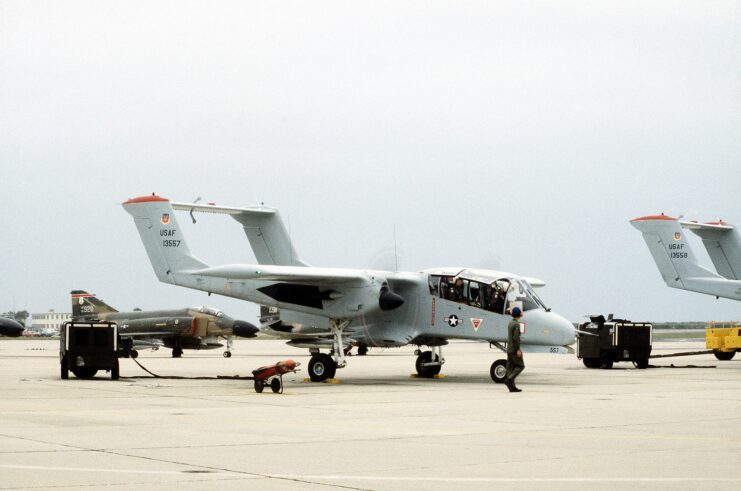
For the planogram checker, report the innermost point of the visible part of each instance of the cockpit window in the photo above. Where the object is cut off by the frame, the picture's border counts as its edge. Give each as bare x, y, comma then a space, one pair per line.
522, 295
210, 311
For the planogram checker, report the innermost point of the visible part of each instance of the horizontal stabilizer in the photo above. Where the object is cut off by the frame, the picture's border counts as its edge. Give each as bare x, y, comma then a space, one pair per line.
264, 228
723, 244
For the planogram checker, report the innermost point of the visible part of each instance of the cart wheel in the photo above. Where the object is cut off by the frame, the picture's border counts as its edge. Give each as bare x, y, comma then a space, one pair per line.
259, 385
65, 370
134, 353
591, 362
276, 385
605, 361
227, 354
114, 371
362, 350
641, 363
498, 371
724, 355
84, 372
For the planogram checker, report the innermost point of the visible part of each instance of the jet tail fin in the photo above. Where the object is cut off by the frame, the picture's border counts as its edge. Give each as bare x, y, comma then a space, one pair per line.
723, 244
162, 237
671, 251
87, 304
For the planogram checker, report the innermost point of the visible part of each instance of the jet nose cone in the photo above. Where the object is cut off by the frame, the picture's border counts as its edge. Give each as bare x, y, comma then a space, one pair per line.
244, 329
565, 329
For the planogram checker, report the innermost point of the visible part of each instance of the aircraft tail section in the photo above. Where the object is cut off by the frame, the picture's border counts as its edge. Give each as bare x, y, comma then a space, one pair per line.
723, 244
264, 227
162, 237
670, 250
87, 304
676, 261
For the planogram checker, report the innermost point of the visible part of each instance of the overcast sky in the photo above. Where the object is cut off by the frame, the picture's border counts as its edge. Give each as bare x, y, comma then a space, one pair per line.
521, 136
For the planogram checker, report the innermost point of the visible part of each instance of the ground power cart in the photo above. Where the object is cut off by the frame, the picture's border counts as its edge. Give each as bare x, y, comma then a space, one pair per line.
603, 342
87, 347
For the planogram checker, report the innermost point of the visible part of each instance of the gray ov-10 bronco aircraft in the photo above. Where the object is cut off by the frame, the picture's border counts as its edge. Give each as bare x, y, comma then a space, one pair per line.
677, 262
333, 309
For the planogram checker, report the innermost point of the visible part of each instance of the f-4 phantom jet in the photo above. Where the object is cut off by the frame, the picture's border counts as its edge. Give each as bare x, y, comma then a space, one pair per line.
677, 263
190, 328
332, 309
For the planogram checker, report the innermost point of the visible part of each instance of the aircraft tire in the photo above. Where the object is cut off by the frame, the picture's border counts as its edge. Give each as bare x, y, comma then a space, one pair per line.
321, 368
227, 354
276, 385
591, 362
64, 370
114, 371
177, 352
259, 386
724, 355
362, 350
134, 353
84, 372
498, 371
426, 372
605, 361
641, 363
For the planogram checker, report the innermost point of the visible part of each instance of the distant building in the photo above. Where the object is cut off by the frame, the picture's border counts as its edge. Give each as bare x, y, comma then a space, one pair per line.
49, 321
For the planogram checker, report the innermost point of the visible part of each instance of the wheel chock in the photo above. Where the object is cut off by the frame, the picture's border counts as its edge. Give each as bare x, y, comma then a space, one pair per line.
416, 375
328, 381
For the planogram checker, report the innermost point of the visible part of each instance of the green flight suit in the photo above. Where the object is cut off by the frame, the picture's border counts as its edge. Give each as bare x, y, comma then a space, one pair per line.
515, 364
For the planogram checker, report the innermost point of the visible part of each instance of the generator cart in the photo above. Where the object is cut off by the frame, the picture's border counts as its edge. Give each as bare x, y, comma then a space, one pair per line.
602, 342
88, 346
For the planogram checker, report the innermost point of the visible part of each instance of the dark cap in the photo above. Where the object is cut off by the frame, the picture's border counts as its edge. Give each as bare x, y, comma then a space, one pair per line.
516, 312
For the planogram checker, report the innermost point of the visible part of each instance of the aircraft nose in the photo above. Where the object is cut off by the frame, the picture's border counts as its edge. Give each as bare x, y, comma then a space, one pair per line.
565, 329
244, 329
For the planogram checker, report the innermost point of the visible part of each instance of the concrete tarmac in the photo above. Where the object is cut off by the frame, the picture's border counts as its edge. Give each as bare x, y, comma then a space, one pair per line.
378, 428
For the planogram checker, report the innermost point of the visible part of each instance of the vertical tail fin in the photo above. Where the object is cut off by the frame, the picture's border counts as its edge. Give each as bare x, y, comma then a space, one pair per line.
162, 237
670, 250
86, 304
723, 244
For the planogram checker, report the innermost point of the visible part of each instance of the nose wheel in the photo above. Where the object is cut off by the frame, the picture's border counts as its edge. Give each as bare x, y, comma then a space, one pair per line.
429, 363
227, 354
498, 371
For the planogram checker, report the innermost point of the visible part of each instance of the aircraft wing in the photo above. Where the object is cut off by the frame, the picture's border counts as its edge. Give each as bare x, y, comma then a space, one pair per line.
295, 274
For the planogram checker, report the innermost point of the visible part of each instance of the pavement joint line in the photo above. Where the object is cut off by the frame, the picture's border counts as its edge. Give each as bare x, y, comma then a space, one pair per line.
332, 477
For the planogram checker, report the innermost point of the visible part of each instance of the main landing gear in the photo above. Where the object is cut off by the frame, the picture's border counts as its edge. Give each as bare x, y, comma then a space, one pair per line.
177, 352
322, 366
429, 363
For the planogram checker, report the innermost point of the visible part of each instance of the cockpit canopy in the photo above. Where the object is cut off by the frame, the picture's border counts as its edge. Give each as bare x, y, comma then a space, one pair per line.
210, 311
488, 290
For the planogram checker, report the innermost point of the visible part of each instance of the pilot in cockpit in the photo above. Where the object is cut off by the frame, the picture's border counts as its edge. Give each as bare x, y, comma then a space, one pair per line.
455, 292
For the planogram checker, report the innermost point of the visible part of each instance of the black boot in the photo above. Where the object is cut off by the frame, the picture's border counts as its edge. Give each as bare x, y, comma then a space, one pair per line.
512, 388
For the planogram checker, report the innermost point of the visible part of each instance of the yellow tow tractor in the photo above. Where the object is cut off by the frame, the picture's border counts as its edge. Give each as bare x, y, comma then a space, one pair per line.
724, 338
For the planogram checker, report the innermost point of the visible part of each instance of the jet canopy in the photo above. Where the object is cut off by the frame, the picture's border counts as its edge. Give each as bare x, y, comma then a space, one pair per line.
489, 290
210, 311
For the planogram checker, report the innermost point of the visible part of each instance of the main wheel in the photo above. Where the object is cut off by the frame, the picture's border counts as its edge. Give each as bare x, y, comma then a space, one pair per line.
362, 350
114, 371
227, 354
64, 368
591, 362
177, 352
724, 355
605, 361
275, 385
429, 371
321, 368
84, 372
259, 385
498, 371
641, 363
